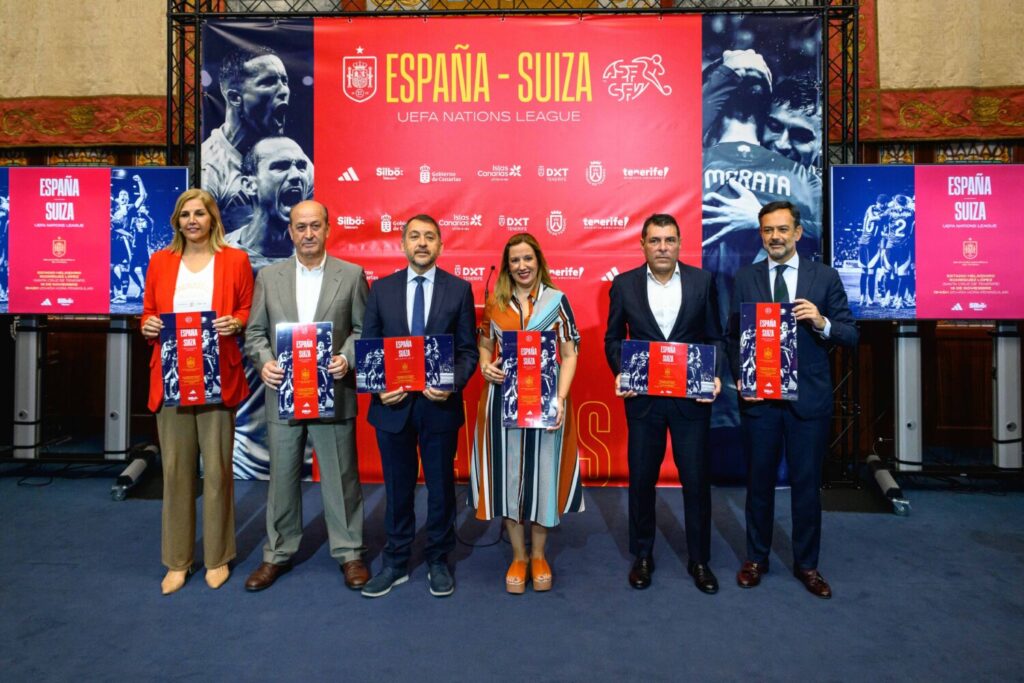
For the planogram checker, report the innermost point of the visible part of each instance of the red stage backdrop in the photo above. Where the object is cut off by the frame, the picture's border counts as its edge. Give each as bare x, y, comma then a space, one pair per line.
573, 129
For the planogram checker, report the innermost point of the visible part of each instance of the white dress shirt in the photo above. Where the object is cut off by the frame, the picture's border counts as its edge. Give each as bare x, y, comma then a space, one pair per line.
307, 288
790, 276
665, 299
194, 291
410, 293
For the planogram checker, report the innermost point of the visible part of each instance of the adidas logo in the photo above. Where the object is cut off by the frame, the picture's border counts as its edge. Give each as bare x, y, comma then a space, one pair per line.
349, 176
46, 302
610, 275
957, 307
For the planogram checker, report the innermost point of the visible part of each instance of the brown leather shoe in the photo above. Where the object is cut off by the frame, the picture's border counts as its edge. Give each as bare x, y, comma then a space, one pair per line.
265, 575
356, 574
750, 573
814, 582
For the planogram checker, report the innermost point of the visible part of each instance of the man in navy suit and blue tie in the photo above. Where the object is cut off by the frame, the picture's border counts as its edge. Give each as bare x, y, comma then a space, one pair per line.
666, 300
800, 428
419, 300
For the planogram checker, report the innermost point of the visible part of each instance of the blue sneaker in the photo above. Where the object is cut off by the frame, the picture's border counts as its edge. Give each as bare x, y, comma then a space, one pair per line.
381, 585
441, 582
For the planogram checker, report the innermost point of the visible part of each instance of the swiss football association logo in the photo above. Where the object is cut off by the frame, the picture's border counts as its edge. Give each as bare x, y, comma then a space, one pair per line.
628, 80
60, 247
970, 249
360, 77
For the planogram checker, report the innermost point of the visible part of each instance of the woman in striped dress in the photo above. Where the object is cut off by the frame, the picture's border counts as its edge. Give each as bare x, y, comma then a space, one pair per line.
526, 475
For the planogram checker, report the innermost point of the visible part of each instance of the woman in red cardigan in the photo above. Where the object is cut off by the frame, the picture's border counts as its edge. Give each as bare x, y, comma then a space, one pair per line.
198, 272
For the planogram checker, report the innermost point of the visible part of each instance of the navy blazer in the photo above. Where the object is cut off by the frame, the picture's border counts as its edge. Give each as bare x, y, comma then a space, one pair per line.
630, 316
819, 284
451, 312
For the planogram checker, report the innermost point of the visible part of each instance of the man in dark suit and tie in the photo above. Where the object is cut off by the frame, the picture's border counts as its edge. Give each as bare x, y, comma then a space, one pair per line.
802, 426
419, 300
666, 300
310, 287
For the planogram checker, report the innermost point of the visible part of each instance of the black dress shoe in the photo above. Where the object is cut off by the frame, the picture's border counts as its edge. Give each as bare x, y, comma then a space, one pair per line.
640, 574
703, 578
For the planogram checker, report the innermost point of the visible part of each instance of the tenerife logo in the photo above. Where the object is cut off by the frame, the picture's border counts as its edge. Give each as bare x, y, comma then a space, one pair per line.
595, 173
360, 76
628, 80
606, 223
649, 173
568, 273
556, 222
610, 275
349, 176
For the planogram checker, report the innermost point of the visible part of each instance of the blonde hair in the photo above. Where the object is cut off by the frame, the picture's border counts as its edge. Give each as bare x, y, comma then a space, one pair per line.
504, 287
217, 241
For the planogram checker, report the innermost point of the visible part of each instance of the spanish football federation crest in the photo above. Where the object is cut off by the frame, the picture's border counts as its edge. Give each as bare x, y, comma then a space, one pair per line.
970, 249
360, 78
60, 247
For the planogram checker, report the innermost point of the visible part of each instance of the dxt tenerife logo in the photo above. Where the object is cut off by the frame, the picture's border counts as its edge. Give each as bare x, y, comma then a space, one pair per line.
567, 273
629, 79
555, 222
595, 173
360, 76
553, 174
471, 273
514, 223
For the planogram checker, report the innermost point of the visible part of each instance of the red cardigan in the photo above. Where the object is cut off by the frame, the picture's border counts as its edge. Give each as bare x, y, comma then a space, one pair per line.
232, 295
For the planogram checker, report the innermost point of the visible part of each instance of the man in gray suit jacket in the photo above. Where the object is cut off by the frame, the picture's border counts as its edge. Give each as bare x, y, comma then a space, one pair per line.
311, 287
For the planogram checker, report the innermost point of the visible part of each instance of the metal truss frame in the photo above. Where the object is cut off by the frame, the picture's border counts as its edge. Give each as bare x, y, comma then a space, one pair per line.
840, 52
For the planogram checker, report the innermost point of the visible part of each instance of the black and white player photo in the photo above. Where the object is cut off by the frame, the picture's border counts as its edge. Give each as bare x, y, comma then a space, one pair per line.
250, 92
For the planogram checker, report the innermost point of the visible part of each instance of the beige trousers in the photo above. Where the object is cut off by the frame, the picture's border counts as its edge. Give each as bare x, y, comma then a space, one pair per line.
185, 433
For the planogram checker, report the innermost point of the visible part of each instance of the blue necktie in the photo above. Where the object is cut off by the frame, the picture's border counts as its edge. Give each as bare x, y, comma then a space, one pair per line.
419, 307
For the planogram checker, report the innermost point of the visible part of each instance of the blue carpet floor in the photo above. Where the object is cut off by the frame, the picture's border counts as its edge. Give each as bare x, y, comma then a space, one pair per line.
933, 596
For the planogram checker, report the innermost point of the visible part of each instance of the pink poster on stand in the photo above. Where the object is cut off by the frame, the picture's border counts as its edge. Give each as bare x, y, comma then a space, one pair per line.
59, 240
968, 241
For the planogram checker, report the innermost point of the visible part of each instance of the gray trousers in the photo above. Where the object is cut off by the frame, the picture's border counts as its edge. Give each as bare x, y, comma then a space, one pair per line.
335, 446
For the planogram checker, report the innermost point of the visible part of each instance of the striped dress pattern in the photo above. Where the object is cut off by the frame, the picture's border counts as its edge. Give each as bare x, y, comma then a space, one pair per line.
526, 474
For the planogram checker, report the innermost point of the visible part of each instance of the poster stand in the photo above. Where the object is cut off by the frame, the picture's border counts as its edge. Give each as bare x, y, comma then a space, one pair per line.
1006, 404
908, 397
